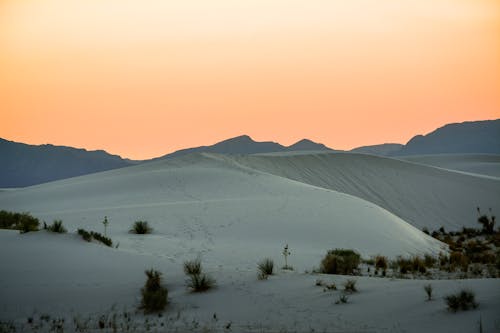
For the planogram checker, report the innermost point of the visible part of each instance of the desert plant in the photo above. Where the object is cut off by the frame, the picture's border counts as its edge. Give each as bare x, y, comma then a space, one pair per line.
154, 295
200, 282
141, 227
85, 234
57, 226
381, 262
488, 222
340, 261
192, 267
428, 290
105, 222
197, 281
266, 267
350, 286
342, 299
463, 300
286, 253
105, 240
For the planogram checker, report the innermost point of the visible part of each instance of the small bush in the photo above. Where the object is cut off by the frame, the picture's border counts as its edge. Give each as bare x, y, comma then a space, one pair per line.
342, 299
57, 226
464, 300
154, 295
105, 240
381, 262
19, 221
266, 268
350, 286
428, 290
200, 282
141, 227
85, 234
192, 267
340, 261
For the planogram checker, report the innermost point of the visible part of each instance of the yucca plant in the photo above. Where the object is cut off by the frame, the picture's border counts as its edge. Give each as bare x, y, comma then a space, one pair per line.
141, 227
266, 267
154, 295
57, 226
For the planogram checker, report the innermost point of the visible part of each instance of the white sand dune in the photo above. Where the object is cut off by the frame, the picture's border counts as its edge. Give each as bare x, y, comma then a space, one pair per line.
231, 214
207, 203
482, 164
421, 195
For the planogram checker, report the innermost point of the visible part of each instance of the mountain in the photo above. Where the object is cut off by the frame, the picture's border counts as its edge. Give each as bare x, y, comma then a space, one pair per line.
475, 137
25, 165
468, 137
306, 144
246, 145
384, 149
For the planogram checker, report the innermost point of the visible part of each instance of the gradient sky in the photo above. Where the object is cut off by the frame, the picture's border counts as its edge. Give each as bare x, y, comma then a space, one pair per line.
141, 78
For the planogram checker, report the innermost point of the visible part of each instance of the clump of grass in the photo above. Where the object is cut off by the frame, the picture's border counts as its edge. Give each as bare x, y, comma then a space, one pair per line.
428, 290
87, 236
141, 227
350, 286
343, 299
463, 300
340, 261
23, 222
200, 282
57, 226
265, 267
197, 280
192, 267
154, 295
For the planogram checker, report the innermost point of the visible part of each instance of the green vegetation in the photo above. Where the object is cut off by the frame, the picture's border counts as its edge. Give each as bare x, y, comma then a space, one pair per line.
340, 261
23, 222
141, 227
88, 236
154, 295
197, 280
463, 300
57, 227
266, 268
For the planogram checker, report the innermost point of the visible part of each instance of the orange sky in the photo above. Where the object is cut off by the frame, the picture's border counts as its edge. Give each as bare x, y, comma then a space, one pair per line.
141, 78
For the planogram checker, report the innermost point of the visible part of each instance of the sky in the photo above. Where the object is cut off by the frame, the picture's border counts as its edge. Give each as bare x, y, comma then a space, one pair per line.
142, 78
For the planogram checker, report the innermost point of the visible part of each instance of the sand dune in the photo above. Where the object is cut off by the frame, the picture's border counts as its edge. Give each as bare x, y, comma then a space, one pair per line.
481, 164
421, 195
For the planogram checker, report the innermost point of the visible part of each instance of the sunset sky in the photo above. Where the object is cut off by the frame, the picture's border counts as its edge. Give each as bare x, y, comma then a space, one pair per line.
141, 78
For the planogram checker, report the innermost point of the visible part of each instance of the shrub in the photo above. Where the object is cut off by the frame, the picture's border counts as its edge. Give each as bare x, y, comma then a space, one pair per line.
429, 260
488, 222
463, 300
105, 240
342, 299
381, 262
141, 227
85, 234
340, 261
266, 268
192, 267
350, 286
154, 295
200, 282
23, 222
428, 290
57, 226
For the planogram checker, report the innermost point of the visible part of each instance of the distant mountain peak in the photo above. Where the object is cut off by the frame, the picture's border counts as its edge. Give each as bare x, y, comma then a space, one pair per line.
306, 144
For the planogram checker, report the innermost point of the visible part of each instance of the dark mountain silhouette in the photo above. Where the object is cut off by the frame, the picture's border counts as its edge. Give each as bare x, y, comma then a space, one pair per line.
24, 165
246, 145
384, 149
468, 137
475, 137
